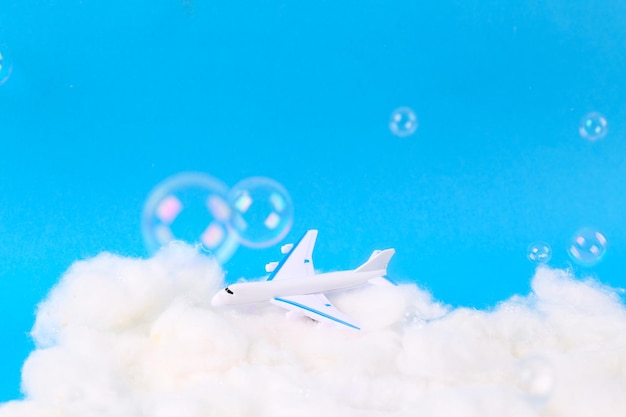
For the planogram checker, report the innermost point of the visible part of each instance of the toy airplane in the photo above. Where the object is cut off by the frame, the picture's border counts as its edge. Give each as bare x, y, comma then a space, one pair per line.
294, 285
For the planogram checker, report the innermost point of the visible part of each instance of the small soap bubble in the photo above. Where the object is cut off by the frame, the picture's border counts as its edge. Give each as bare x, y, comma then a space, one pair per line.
587, 247
190, 208
262, 212
413, 319
403, 122
539, 252
536, 378
5, 65
593, 126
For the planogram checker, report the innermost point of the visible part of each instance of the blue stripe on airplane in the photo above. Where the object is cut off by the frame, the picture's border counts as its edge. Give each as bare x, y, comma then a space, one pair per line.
302, 306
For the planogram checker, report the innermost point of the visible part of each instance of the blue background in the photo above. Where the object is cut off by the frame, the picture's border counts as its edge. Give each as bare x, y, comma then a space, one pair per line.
108, 98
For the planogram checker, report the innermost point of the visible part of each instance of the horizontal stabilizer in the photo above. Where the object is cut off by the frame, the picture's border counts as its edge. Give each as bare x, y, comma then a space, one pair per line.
383, 281
378, 261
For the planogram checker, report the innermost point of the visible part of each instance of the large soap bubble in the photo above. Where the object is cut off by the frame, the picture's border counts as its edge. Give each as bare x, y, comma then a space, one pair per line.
593, 126
403, 122
536, 378
587, 247
189, 207
262, 211
5, 64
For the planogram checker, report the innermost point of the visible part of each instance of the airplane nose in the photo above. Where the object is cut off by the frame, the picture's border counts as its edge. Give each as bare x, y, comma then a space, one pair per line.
217, 300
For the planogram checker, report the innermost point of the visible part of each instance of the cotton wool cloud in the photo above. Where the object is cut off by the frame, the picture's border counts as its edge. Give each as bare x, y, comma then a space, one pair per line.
131, 337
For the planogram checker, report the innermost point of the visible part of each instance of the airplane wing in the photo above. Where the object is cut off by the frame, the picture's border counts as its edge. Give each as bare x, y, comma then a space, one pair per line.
317, 307
298, 262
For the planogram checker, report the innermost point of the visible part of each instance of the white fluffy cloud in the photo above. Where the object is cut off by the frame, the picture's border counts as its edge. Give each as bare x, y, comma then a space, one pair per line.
127, 337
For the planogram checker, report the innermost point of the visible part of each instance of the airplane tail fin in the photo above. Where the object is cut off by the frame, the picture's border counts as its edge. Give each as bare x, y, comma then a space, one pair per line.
378, 261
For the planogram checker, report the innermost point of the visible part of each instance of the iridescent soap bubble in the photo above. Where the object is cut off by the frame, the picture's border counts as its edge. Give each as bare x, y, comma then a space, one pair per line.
403, 122
539, 252
536, 378
593, 126
587, 247
5, 65
262, 211
192, 208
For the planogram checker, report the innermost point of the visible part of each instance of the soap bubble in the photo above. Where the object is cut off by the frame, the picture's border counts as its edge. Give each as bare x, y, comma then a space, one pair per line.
536, 378
587, 247
403, 122
5, 65
192, 208
413, 319
593, 126
262, 212
539, 252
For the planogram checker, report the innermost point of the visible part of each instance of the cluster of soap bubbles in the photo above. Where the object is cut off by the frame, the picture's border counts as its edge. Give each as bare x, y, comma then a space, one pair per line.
586, 248
403, 122
199, 209
5, 65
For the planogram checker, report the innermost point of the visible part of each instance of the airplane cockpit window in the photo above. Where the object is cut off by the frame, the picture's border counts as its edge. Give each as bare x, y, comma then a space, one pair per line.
228, 290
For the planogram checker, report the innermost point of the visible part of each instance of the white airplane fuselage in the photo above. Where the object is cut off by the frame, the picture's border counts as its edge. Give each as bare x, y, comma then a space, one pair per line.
258, 291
